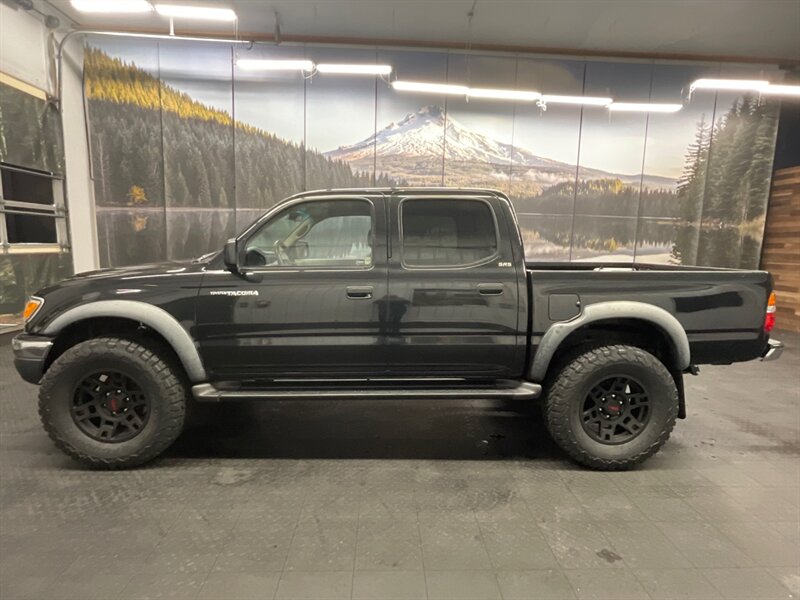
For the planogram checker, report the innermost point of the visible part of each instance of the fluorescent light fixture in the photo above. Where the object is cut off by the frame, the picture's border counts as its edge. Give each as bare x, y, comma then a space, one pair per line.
644, 107
258, 64
522, 95
355, 69
781, 90
205, 13
754, 85
429, 88
114, 6
587, 100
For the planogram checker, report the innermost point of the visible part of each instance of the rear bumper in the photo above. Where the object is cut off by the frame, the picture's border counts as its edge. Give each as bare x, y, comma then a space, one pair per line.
30, 354
773, 351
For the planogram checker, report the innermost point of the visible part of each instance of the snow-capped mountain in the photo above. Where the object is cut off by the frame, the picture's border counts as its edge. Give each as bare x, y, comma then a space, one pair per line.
414, 145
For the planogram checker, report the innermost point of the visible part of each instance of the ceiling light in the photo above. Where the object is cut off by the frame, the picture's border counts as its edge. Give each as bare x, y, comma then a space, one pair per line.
781, 90
755, 85
355, 69
587, 100
429, 88
206, 13
523, 95
644, 107
117, 6
258, 64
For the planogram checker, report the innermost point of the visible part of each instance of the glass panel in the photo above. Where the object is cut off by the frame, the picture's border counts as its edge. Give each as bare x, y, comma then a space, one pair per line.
478, 139
24, 274
123, 99
31, 229
340, 122
315, 234
409, 138
603, 239
197, 106
27, 187
546, 237
546, 141
31, 131
612, 143
438, 233
270, 132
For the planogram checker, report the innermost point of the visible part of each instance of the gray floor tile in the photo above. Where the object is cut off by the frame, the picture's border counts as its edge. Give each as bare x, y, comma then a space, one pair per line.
516, 544
166, 585
453, 544
608, 505
389, 585
704, 545
789, 577
762, 543
746, 584
323, 545
604, 584
546, 584
384, 544
315, 585
553, 502
255, 552
579, 545
643, 546
239, 586
676, 584
462, 585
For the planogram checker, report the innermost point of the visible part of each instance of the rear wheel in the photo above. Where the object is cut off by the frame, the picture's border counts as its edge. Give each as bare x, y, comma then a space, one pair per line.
611, 407
112, 403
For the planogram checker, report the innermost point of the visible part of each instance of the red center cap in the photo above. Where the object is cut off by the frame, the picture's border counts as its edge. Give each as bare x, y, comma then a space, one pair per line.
613, 408
113, 405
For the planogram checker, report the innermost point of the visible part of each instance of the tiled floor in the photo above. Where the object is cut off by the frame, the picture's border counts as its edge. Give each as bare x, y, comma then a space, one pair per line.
398, 500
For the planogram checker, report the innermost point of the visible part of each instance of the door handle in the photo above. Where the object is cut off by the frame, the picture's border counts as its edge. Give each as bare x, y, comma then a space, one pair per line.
359, 292
490, 289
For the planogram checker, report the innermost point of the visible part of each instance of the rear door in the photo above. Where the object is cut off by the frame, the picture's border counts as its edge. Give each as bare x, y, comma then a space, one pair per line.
452, 308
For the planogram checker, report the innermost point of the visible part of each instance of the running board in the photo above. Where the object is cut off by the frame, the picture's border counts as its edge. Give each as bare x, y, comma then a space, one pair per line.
206, 392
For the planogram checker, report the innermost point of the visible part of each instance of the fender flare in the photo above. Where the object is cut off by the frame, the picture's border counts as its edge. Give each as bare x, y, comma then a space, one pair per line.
154, 317
602, 311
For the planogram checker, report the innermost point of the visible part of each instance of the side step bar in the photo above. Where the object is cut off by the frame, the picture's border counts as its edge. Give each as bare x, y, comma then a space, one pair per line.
206, 392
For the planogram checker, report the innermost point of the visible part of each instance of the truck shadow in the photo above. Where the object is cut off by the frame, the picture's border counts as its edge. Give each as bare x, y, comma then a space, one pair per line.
363, 429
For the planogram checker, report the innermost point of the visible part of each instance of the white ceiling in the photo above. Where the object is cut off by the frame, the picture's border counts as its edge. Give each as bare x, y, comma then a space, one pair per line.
756, 29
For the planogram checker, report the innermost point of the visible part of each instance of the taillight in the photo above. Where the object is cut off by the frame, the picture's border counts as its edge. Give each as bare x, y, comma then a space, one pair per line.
769, 318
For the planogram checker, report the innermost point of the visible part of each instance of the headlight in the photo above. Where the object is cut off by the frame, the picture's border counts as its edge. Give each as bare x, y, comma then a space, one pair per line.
32, 307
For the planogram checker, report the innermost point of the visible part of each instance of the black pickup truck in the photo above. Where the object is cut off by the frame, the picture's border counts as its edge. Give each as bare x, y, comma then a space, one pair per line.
385, 293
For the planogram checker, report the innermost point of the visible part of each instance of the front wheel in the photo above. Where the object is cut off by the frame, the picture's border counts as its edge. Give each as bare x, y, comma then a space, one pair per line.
611, 407
112, 403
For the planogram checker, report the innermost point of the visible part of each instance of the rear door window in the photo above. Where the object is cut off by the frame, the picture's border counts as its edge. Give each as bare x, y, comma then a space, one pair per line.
447, 232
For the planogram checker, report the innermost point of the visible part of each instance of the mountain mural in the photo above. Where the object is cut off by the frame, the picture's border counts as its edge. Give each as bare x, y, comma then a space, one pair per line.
413, 147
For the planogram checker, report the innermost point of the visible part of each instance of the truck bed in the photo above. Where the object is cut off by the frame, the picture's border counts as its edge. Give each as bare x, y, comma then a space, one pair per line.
722, 310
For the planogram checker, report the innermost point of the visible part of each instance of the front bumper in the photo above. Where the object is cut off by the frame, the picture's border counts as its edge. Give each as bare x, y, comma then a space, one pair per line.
30, 354
773, 351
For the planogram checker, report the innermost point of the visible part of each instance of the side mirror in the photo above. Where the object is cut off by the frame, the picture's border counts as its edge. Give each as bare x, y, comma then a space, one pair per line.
230, 256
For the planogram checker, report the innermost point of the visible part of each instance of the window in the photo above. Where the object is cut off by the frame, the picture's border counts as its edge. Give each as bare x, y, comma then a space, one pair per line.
447, 233
31, 203
321, 233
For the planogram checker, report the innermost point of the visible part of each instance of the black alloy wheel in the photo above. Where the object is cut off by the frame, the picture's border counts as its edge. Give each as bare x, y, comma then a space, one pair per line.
616, 410
110, 406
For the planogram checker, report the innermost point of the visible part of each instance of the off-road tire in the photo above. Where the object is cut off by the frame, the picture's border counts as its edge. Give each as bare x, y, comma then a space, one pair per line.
159, 378
570, 385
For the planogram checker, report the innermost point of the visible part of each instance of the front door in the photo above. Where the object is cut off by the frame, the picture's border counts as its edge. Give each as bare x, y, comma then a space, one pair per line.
308, 303
453, 291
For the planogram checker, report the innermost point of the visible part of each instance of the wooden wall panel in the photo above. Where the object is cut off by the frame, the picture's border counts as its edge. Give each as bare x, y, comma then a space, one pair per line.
781, 251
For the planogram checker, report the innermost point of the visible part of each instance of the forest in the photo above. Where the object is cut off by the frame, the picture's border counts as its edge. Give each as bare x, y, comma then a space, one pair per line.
134, 118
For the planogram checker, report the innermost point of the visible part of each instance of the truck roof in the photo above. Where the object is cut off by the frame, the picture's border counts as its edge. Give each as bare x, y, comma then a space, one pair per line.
410, 191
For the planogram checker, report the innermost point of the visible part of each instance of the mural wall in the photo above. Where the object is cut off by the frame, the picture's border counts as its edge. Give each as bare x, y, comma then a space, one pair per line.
188, 148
